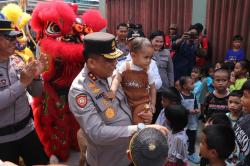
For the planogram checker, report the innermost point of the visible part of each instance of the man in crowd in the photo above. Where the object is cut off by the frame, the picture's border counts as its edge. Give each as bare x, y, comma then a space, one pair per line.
106, 123
171, 38
186, 51
121, 38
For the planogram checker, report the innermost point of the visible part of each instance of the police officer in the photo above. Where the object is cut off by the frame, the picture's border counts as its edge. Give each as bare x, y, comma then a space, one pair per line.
106, 124
17, 134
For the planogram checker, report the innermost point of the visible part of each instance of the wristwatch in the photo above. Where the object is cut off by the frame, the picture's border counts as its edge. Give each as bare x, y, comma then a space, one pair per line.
140, 126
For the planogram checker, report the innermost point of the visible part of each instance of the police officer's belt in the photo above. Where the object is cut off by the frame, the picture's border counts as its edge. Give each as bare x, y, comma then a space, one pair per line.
13, 128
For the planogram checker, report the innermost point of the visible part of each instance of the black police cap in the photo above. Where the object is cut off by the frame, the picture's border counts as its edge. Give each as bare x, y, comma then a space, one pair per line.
135, 33
7, 29
102, 43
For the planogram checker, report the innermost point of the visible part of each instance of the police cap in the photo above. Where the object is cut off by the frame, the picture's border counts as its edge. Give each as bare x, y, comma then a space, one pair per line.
7, 29
102, 43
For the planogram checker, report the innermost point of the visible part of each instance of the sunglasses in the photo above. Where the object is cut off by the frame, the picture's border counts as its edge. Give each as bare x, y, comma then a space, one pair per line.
9, 38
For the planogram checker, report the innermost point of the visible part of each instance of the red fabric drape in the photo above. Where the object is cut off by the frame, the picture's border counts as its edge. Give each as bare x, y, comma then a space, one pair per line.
224, 19
152, 14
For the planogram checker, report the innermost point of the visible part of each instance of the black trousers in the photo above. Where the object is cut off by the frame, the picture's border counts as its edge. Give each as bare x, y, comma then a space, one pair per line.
191, 141
28, 147
158, 107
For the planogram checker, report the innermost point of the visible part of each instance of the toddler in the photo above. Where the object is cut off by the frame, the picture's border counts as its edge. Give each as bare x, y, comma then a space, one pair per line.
136, 80
190, 103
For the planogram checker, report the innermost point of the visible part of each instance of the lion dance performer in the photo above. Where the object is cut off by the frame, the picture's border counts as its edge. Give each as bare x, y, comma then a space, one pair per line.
60, 32
20, 19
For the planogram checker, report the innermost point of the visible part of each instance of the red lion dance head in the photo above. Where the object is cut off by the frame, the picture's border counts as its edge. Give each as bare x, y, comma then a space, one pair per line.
60, 32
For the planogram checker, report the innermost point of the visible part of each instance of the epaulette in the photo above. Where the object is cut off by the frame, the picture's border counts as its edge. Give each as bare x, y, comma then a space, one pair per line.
92, 76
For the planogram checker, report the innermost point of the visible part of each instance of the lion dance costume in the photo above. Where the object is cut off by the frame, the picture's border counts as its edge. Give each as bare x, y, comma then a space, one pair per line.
60, 32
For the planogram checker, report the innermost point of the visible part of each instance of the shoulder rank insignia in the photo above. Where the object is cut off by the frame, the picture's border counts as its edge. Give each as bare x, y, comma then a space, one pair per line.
94, 88
92, 77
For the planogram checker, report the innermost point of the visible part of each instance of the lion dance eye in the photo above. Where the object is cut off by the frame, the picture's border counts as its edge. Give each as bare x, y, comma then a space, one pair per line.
53, 28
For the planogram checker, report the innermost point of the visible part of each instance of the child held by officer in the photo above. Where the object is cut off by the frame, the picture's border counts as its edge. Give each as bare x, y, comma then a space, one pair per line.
189, 101
169, 97
177, 120
136, 80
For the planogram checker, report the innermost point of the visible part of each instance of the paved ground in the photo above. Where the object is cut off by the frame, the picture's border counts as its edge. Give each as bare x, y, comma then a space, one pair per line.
73, 159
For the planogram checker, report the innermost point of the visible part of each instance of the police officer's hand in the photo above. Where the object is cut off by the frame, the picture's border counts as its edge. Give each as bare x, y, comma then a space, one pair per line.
41, 64
28, 73
147, 116
162, 129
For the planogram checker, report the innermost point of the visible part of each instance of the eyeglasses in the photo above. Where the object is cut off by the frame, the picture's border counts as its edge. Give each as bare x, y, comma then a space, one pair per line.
9, 38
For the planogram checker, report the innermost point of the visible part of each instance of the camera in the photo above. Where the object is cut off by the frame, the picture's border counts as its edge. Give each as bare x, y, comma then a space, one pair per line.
190, 36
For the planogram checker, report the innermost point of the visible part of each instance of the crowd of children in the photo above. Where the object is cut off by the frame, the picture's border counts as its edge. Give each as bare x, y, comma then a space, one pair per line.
225, 111
218, 96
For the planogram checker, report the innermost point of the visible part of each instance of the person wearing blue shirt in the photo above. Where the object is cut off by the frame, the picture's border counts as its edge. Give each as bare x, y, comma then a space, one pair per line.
236, 53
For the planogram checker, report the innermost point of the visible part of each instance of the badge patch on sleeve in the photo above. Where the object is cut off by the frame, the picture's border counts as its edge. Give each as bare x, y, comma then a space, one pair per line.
81, 100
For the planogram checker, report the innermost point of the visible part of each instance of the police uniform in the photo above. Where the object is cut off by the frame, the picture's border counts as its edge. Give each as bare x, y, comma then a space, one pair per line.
16, 122
104, 122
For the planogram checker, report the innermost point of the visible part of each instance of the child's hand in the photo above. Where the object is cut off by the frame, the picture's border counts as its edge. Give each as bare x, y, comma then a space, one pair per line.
149, 107
109, 95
